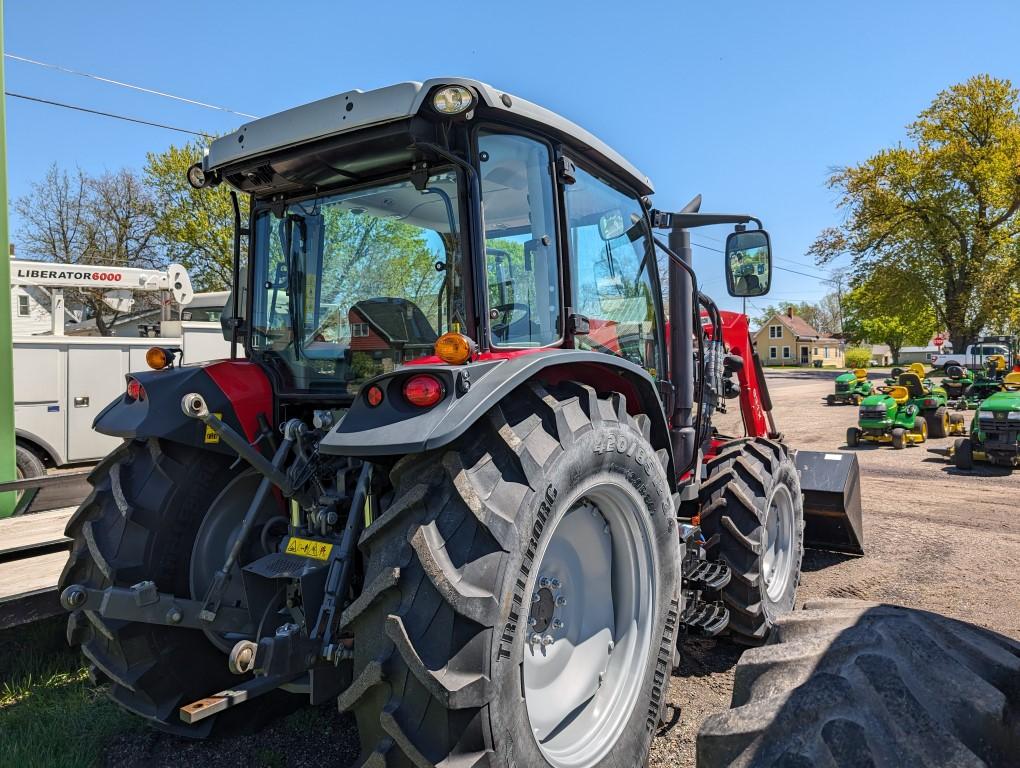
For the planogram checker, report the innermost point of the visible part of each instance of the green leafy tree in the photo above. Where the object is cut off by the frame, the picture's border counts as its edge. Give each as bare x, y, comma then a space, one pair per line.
875, 311
196, 225
944, 211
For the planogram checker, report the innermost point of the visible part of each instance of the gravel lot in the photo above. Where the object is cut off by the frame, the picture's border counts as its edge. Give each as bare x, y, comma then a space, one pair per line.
936, 539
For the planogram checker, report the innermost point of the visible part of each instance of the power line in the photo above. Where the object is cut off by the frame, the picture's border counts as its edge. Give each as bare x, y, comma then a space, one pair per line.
105, 114
774, 266
122, 84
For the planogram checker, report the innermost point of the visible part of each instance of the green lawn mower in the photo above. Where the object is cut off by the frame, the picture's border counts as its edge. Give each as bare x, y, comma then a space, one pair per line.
957, 382
904, 413
851, 388
983, 384
994, 431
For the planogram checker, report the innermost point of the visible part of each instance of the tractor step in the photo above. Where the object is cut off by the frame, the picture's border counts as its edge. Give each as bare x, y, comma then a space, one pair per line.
708, 619
706, 575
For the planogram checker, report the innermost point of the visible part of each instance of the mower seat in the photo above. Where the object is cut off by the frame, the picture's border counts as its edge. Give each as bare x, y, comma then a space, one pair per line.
861, 374
912, 384
916, 368
1011, 380
898, 393
998, 360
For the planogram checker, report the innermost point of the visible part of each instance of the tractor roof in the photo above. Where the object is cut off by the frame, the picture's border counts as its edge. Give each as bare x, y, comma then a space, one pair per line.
353, 110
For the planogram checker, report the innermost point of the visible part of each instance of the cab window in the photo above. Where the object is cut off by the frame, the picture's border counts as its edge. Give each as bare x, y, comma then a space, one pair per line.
612, 267
520, 240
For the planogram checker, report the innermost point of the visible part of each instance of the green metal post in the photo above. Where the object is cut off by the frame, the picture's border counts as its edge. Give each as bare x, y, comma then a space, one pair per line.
8, 469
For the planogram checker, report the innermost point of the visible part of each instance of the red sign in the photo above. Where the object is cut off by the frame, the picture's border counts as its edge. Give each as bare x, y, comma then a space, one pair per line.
939, 341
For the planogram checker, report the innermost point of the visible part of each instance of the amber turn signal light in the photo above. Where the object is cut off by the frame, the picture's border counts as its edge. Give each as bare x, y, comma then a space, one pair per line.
159, 358
454, 348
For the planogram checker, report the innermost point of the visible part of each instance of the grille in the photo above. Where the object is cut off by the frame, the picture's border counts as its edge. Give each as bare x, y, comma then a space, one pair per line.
841, 387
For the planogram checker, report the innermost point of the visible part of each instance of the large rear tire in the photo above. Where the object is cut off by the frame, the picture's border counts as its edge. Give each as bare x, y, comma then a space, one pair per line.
938, 421
446, 670
857, 684
752, 500
139, 523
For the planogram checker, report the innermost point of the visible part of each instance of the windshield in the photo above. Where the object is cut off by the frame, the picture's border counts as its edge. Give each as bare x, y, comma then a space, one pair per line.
351, 285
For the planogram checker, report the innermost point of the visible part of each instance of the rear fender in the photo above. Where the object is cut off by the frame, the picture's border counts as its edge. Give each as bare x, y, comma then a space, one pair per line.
395, 427
239, 391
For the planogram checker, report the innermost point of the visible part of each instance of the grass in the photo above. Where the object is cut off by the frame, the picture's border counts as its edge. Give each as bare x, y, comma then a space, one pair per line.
51, 716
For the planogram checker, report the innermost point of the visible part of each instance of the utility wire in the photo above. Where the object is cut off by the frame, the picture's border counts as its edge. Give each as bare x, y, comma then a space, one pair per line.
122, 84
106, 114
774, 266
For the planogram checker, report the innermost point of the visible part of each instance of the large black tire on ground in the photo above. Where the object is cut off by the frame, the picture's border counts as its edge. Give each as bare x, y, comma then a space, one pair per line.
439, 629
859, 684
735, 498
139, 523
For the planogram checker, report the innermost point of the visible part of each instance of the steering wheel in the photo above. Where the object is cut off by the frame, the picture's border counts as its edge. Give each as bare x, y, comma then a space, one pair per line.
506, 310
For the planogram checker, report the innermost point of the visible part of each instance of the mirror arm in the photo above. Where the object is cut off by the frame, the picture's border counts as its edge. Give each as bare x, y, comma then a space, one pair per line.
688, 220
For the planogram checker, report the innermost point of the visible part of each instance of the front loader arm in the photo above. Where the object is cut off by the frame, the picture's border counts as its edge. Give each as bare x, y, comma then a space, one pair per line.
755, 403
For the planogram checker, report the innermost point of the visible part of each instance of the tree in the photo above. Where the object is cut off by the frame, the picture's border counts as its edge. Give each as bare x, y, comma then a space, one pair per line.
79, 219
196, 225
875, 311
944, 211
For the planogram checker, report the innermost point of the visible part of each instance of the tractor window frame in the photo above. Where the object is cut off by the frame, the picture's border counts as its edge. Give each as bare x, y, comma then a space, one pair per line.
248, 256
616, 183
480, 272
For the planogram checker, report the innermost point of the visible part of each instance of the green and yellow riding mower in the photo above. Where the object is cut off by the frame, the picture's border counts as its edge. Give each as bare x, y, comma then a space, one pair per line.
851, 388
994, 431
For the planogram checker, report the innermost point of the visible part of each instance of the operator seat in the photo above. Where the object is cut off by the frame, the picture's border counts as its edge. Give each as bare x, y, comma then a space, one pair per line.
1011, 380
911, 382
898, 393
861, 374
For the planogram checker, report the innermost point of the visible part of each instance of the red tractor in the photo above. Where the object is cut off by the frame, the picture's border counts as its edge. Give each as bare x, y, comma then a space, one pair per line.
463, 480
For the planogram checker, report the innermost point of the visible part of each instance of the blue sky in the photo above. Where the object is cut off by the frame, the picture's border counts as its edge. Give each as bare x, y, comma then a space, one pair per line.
749, 104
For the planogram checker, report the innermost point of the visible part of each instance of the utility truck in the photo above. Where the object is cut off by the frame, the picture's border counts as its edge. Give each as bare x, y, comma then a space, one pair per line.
466, 482
61, 382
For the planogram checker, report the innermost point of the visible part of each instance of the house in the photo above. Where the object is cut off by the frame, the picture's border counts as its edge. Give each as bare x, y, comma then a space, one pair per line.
30, 311
786, 339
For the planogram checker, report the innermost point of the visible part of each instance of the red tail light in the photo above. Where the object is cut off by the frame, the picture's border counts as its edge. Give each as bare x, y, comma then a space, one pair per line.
374, 395
929, 403
423, 390
135, 390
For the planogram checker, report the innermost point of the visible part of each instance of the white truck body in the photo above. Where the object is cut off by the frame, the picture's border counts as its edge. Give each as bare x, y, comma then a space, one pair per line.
974, 356
62, 382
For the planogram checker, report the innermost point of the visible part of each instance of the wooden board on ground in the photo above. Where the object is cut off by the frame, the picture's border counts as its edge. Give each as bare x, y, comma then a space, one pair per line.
33, 550
28, 588
43, 530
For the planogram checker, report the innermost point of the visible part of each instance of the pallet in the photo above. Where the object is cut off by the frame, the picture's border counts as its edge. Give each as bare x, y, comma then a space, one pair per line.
33, 551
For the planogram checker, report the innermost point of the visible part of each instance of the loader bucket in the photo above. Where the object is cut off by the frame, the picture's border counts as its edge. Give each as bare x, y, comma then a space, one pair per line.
831, 483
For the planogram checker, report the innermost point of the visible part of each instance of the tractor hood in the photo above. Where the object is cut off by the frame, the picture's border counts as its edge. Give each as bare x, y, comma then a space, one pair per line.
1002, 402
846, 378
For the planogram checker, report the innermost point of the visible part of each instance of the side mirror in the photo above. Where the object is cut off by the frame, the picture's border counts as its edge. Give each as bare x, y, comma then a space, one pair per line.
748, 263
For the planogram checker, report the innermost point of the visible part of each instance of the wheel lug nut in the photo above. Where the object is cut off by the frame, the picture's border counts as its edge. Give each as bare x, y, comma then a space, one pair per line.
544, 582
534, 597
554, 583
532, 621
547, 640
536, 638
557, 624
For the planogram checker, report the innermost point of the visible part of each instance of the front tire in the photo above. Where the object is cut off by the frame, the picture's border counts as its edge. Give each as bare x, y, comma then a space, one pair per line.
752, 500
899, 438
447, 670
830, 400
853, 437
